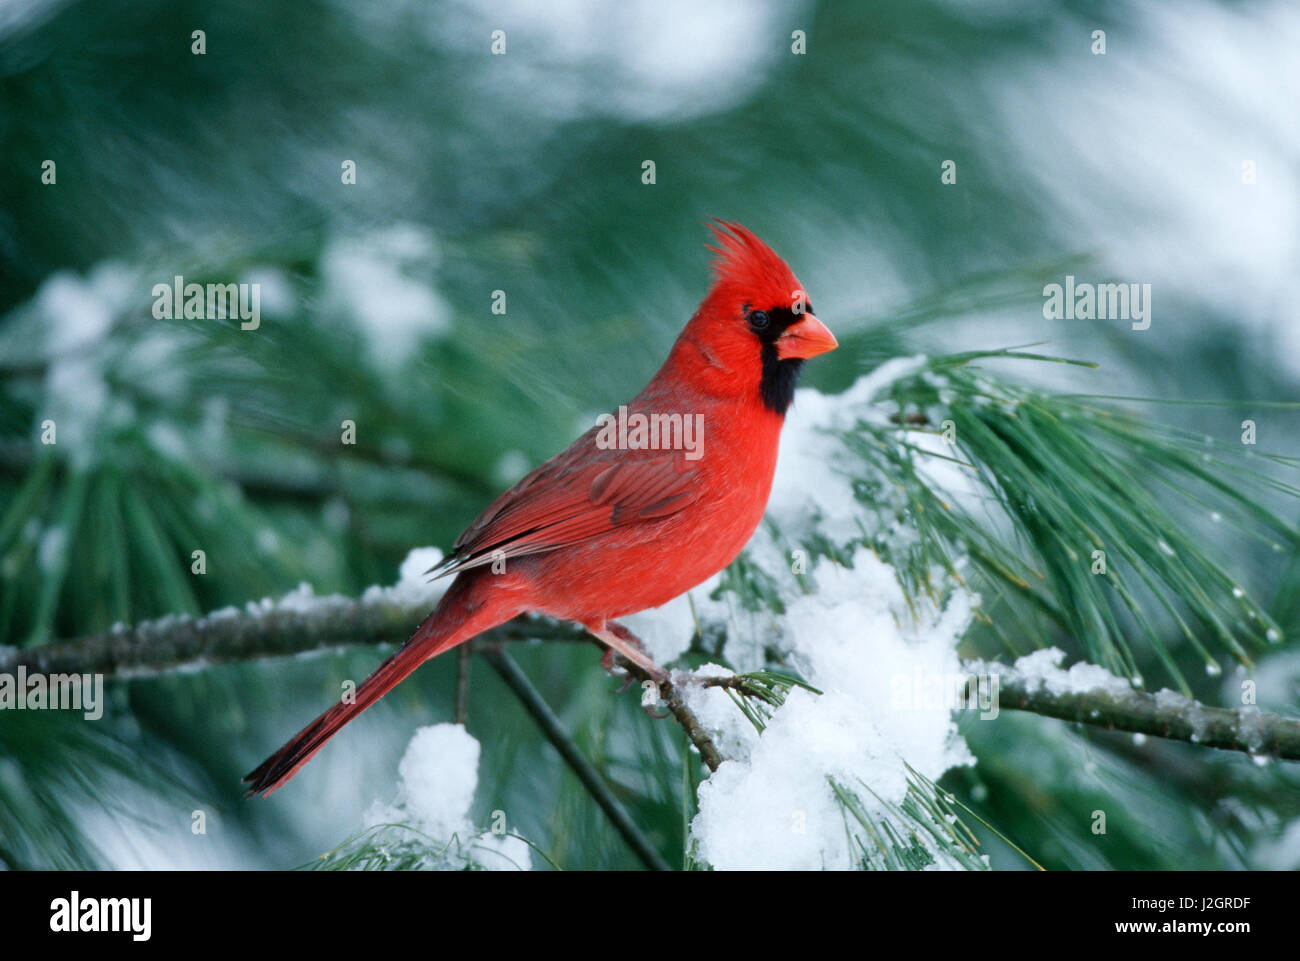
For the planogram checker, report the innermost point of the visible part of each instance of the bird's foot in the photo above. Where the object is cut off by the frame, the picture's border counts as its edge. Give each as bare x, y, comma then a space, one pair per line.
625, 648
626, 645
609, 661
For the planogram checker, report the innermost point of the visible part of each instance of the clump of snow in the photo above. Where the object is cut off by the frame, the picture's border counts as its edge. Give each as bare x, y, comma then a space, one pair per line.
415, 567
412, 589
1250, 729
732, 733
666, 631
857, 635
1042, 669
80, 312
855, 638
78, 317
300, 600
383, 281
776, 810
437, 778
813, 470
275, 290
414, 585
1192, 712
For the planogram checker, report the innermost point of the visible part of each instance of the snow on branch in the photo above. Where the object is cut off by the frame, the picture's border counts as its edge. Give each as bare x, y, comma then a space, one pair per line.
302, 622
1091, 695
299, 623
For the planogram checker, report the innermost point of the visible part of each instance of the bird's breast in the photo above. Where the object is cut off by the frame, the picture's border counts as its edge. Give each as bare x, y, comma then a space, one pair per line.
646, 564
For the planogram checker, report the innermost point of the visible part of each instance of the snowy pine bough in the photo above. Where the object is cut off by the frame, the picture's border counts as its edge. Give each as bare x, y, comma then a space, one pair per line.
858, 608
934, 505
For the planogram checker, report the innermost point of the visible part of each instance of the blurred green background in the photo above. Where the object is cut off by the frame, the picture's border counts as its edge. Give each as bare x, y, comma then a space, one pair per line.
522, 173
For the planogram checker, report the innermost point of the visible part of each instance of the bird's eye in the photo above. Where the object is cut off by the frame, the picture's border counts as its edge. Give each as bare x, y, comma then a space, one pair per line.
758, 319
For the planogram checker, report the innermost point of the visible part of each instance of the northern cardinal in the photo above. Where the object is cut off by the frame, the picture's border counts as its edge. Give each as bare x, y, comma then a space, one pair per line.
599, 531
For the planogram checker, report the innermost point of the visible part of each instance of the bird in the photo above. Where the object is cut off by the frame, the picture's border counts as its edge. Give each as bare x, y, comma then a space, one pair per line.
620, 521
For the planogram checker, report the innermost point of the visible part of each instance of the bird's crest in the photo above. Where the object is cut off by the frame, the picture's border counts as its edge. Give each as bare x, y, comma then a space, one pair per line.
746, 262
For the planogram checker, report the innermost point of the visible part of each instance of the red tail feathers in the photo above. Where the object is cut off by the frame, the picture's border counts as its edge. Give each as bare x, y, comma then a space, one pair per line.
456, 620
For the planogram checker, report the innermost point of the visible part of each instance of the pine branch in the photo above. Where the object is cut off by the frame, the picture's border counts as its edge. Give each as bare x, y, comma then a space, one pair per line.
175, 643
462, 683
268, 630
1165, 714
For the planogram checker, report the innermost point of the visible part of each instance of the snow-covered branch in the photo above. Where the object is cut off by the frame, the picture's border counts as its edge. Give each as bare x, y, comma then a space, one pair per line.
1090, 695
303, 623
298, 624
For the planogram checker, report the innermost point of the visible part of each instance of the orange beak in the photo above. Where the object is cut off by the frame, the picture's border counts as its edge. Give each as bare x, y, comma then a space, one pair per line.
807, 338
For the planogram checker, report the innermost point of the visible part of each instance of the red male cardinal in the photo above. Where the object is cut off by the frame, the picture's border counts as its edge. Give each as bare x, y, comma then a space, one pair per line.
598, 532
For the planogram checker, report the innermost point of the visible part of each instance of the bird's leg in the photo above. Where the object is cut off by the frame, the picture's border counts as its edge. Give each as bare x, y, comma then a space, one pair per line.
612, 666
632, 650
623, 642
609, 661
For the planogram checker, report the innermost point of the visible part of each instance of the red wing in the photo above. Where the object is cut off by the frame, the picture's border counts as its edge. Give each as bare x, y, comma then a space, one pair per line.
573, 497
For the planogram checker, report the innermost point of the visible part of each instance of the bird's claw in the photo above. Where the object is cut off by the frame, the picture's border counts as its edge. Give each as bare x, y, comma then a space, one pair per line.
614, 669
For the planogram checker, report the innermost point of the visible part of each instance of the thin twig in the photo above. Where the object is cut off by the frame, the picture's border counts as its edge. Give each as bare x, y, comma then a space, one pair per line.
670, 693
691, 725
591, 779
464, 659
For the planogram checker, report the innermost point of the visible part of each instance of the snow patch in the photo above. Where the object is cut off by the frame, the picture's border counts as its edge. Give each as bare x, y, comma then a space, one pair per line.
666, 631
855, 638
79, 316
437, 778
381, 281
414, 585
1043, 670
813, 470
